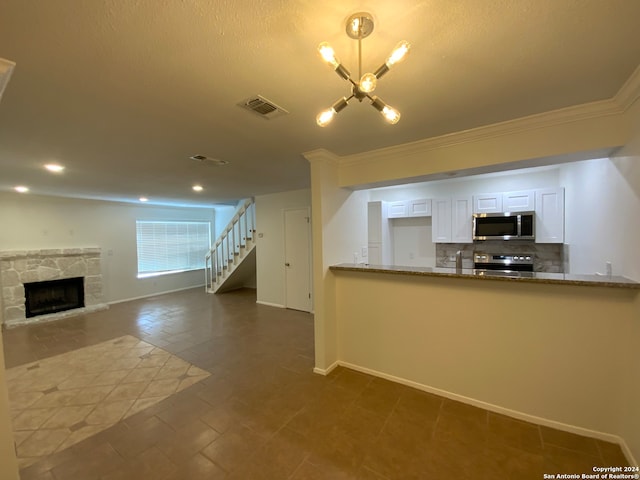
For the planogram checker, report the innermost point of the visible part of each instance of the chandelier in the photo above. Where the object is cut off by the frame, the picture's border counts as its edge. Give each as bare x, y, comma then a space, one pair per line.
359, 26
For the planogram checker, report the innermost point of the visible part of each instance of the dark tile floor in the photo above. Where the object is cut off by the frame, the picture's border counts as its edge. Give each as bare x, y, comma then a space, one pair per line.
263, 414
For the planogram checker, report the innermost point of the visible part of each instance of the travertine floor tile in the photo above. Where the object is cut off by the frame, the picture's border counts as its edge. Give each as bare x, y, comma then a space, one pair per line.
62, 400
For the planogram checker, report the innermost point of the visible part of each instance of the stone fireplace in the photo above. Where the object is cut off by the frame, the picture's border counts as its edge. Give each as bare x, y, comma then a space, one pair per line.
45, 268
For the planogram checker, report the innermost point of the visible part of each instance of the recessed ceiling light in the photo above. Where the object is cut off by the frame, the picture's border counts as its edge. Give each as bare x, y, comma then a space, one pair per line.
21, 189
54, 167
197, 188
143, 199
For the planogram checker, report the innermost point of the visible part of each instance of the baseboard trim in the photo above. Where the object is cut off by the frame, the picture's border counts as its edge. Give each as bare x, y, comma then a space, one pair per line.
114, 302
326, 371
269, 304
607, 437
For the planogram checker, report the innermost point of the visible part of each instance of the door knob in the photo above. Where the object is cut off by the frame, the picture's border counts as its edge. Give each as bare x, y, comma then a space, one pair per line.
287, 264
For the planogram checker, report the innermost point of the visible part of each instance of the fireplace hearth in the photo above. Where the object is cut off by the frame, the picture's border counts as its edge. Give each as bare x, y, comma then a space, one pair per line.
53, 296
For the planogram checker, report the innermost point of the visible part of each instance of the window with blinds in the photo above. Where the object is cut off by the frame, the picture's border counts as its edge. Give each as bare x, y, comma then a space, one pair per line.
170, 247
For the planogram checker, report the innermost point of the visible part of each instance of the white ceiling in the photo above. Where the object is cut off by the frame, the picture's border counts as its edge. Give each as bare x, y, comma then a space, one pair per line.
122, 92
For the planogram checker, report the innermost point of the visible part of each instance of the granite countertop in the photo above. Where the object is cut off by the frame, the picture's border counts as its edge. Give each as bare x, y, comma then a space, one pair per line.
533, 277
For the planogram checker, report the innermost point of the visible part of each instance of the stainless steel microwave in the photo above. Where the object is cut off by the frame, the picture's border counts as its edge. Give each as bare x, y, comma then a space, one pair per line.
504, 226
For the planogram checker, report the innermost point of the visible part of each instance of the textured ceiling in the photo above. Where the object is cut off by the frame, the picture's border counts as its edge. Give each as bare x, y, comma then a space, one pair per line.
122, 92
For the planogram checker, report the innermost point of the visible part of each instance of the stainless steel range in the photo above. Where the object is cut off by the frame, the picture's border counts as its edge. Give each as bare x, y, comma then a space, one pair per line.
521, 262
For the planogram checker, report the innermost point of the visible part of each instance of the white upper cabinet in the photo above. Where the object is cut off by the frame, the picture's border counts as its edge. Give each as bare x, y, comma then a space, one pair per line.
420, 207
549, 215
523, 201
451, 220
398, 209
441, 220
461, 223
487, 203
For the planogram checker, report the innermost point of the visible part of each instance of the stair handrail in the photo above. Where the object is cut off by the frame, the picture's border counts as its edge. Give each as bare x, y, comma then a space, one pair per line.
211, 258
236, 217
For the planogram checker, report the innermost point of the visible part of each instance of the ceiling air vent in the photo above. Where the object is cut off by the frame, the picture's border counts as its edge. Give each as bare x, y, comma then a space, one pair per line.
262, 107
208, 160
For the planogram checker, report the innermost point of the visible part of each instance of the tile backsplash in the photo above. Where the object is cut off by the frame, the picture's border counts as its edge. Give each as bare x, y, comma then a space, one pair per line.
548, 257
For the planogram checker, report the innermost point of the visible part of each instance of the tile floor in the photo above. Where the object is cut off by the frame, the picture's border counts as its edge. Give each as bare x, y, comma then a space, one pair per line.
262, 414
59, 401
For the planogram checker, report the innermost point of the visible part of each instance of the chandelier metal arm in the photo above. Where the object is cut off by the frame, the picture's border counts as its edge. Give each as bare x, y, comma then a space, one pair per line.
343, 72
384, 68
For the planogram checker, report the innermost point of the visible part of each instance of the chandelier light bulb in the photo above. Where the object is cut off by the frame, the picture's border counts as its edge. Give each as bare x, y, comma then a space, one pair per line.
368, 83
328, 55
399, 53
391, 115
324, 118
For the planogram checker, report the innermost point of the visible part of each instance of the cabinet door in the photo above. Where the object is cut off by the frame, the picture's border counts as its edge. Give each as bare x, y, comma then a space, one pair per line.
461, 231
374, 222
419, 208
487, 203
398, 209
549, 215
441, 220
379, 237
523, 201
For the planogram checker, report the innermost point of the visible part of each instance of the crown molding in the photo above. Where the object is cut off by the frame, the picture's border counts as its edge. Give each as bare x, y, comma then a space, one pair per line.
623, 99
552, 118
321, 155
630, 91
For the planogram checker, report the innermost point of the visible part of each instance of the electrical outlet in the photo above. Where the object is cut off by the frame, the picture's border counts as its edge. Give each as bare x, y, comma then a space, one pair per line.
365, 252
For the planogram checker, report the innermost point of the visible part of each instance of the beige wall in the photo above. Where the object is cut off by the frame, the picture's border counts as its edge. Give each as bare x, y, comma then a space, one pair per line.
551, 351
35, 222
628, 160
270, 274
8, 462
339, 228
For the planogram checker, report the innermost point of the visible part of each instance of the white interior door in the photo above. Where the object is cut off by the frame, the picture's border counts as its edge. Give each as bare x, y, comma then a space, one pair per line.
297, 255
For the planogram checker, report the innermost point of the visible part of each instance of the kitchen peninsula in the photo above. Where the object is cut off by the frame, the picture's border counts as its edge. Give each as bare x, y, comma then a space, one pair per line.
472, 273
541, 347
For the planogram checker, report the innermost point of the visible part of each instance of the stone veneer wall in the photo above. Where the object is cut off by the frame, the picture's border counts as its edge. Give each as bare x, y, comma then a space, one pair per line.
548, 257
25, 266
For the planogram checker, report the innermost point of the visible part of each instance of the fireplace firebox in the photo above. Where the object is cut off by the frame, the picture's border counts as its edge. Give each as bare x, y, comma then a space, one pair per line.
53, 296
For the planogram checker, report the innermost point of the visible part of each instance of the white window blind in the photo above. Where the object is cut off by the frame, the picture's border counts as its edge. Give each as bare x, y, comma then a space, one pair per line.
167, 247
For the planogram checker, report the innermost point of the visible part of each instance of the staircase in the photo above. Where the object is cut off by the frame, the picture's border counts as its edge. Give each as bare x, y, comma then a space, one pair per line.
233, 255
